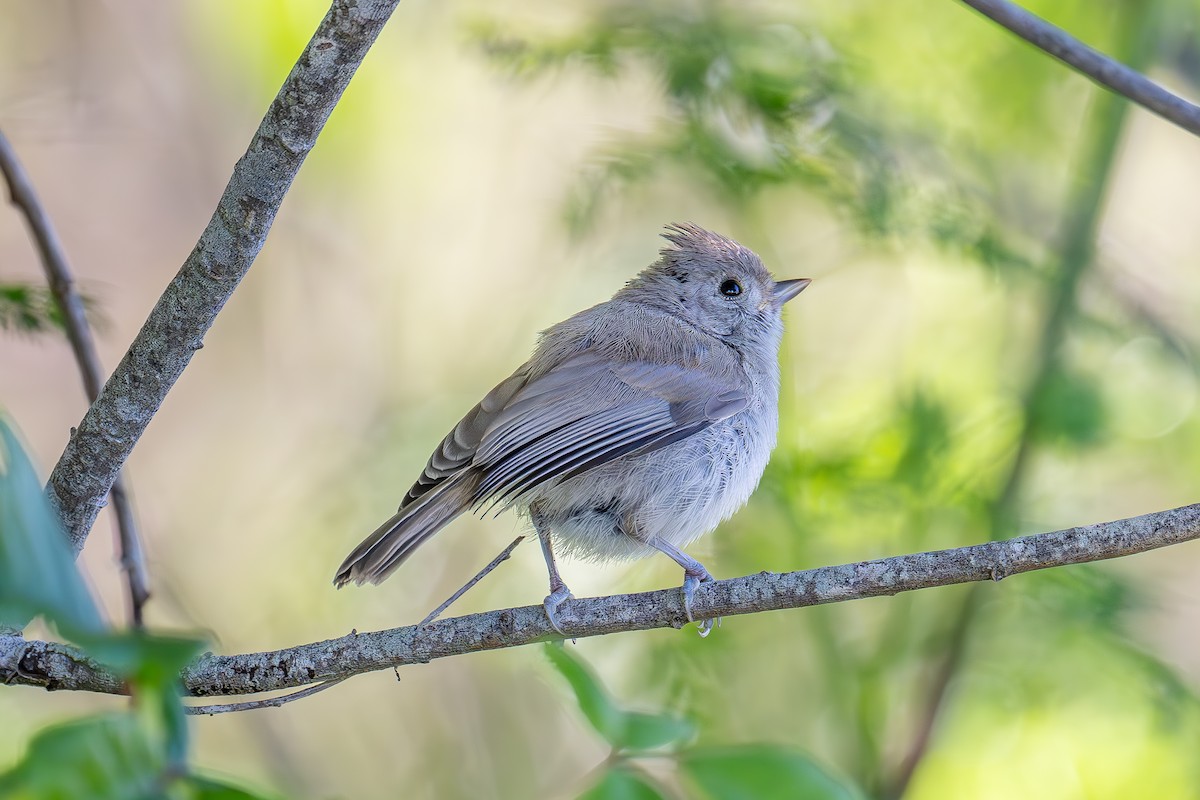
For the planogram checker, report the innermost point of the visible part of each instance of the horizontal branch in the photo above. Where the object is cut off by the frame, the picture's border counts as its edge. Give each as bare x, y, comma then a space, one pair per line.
175, 329
56, 666
1102, 69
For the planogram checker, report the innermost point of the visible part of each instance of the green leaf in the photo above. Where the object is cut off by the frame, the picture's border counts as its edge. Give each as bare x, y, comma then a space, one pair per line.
1069, 409
110, 757
37, 571
27, 308
620, 783
100, 758
149, 660
624, 730
651, 731
761, 772
204, 788
174, 725
594, 702
152, 663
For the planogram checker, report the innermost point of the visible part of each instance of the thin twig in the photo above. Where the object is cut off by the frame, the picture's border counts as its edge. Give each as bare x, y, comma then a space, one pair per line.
1102, 69
54, 262
497, 561
63, 667
175, 328
83, 345
251, 705
133, 558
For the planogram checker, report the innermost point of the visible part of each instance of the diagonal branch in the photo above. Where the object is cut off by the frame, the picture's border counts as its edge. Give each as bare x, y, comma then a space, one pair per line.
466, 587
57, 666
176, 326
62, 286
54, 262
1102, 69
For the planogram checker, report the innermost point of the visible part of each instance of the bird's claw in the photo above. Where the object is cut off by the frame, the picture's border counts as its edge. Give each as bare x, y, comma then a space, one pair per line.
553, 600
692, 580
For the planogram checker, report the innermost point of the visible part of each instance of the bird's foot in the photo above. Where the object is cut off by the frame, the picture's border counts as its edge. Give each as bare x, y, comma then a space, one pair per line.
691, 580
558, 595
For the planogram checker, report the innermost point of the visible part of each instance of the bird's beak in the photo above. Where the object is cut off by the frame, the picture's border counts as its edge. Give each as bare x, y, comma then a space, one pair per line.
786, 290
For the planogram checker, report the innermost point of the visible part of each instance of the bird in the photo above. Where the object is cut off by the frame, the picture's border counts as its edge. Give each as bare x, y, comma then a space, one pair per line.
636, 427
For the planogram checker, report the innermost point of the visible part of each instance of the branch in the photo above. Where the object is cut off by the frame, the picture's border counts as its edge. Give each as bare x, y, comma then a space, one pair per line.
466, 587
271, 702
62, 286
56, 666
176, 326
54, 262
1095, 65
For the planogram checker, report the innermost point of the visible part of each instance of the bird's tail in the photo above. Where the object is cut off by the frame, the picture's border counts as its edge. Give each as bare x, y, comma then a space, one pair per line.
393, 541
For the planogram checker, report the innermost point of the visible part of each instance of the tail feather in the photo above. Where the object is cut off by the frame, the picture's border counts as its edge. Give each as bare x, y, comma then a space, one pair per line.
392, 542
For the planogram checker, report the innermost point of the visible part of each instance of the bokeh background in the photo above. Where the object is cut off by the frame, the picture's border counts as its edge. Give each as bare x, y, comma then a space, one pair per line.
1001, 339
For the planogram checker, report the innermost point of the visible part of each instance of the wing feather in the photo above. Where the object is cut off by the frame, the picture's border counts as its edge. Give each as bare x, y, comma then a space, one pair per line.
457, 450
585, 412
589, 411
529, 430
587, 436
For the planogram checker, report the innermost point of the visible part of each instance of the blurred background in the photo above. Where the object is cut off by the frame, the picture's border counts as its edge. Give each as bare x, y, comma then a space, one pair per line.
1001, 339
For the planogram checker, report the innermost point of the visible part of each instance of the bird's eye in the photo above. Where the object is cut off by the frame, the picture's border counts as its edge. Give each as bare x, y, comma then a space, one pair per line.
731, 288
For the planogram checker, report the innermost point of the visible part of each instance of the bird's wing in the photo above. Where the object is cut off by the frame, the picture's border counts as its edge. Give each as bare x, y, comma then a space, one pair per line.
585, 412
588, 411
458, 448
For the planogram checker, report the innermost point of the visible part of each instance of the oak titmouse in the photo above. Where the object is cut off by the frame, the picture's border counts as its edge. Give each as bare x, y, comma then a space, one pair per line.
637, 426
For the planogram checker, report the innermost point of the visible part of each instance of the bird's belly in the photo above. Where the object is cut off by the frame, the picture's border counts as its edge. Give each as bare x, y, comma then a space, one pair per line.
678, 493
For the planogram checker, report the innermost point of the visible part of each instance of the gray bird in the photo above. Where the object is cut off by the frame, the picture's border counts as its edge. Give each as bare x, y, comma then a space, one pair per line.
637, 426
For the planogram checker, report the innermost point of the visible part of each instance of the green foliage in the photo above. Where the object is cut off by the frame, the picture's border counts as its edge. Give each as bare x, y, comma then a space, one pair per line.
108, 757
37, 572
624, 730
758, 101
620, 783
738, 84
28, 309
730, 773
141, 754
197, 787
1069, 410
760, 773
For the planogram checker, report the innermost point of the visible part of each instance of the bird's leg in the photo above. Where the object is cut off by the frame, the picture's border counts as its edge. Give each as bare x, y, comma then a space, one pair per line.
559, 593
694, 574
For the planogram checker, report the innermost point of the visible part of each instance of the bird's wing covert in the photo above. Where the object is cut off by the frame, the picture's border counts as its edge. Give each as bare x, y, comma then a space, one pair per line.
457, 450
589, 411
